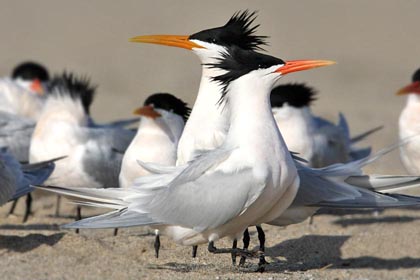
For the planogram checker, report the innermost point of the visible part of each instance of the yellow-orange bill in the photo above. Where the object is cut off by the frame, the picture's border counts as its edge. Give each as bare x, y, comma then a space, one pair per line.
36, 86
411, 88
147, 111
180, 41
301, 65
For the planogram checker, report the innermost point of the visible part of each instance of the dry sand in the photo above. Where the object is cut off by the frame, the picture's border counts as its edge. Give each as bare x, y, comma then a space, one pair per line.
376, 45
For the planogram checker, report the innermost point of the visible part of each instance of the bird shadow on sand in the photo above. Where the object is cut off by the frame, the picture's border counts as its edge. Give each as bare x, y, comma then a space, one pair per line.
346, 222
52, 227
324, 252
29, 242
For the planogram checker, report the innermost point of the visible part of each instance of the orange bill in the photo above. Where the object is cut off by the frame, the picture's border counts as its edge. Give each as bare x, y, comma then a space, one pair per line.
301, 65
36, 86
180, 41
147, 111
414, 87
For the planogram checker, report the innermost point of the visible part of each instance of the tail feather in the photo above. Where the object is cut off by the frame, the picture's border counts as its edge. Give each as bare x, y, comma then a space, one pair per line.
384, 183
365, 134
115, 219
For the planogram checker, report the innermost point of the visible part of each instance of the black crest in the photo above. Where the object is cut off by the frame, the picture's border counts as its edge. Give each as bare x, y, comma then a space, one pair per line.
416, 76
29, 71
238, 31
168, 102
296, 95
238, 62
78, 88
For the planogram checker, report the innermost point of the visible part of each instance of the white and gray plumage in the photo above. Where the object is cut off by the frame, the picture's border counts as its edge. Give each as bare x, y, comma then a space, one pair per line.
250, 179
163, 117
16, 179
409, 126
315, 139
22, 94
93, 154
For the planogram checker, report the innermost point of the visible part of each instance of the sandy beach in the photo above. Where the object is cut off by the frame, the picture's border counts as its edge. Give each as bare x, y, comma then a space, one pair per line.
376, 46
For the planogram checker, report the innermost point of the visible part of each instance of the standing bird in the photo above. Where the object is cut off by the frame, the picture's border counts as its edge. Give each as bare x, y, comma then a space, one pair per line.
409, 126
93, 155
208, 123
317, 140
163, 118
16, 179
250, 179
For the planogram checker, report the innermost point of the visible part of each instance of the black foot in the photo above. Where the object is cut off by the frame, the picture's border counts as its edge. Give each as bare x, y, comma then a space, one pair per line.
28, 207
115, 231
57, 206
78, 217
194, 251
245, 240
236, 251
234, 246
12, 209
261, 238
311, 220
157, 245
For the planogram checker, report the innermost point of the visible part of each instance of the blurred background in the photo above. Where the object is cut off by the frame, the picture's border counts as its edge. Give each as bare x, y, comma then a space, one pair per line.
374, 42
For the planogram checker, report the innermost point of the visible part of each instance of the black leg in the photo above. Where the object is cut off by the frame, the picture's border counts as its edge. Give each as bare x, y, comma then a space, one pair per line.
157, 245
261, 238
234, 246
311, 219
12, 209
78, 216
115, 231
245, 240
194, 251
57, 206
28, 207
214, 250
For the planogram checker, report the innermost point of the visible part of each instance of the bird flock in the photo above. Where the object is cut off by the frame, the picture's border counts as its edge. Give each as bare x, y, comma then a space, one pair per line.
248, 152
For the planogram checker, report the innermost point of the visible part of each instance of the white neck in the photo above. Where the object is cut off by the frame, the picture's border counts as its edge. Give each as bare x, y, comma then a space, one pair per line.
208, 122
252, 125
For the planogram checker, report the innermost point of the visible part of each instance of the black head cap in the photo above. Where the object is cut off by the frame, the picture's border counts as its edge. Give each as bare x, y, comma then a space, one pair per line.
296, 95
29, 71
168, 102
238, 62
236, 32
78, 88
416, 76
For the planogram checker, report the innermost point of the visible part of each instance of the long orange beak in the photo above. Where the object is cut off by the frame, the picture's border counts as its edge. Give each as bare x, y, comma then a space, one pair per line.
300, 65
180, 41
147, 111
36, 86
414, 87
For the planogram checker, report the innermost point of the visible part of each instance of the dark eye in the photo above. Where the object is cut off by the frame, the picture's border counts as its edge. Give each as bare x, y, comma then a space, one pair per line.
213, 40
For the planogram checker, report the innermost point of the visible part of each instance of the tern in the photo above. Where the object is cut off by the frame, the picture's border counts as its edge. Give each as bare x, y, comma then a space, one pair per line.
93, 155
22, 94
163, 118
409, 125
250, 179
208, 123
315, 139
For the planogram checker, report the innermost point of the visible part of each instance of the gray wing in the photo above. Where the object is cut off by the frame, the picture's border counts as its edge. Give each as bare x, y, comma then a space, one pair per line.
104, 151
15, 133
10, 174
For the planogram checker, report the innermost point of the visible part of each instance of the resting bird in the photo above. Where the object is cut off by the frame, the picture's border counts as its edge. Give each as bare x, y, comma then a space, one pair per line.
163, 117
22, 94
16, 179
409, 126
93, 155
317, 140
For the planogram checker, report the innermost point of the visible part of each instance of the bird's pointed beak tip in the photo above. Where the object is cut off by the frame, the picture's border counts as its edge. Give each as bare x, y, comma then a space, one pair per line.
414, 87
301, 65
179, 41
